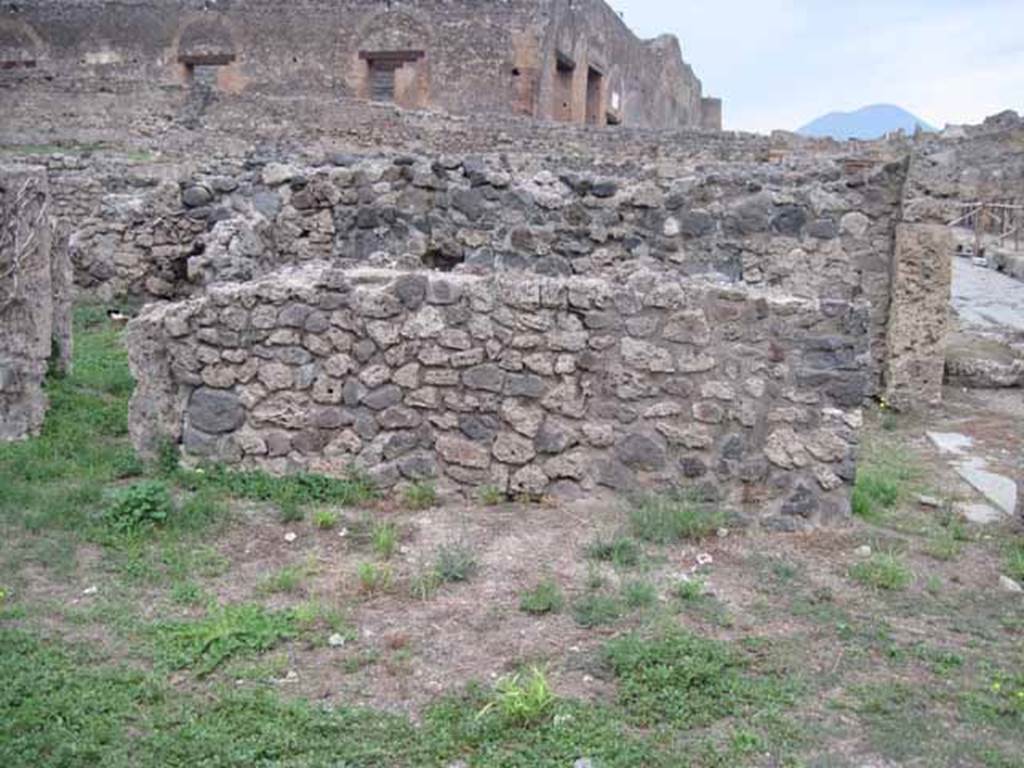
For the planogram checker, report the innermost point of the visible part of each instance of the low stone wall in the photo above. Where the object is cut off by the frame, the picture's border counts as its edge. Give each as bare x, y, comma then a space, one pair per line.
35, 299
530, 384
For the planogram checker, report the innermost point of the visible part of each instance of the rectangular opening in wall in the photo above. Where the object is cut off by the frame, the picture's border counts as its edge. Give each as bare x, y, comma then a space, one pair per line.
565, 71
203, 75
382, 68
595, 97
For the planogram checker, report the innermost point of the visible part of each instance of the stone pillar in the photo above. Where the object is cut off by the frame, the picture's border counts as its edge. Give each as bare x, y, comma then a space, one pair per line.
711, 114
35, 288
918, 315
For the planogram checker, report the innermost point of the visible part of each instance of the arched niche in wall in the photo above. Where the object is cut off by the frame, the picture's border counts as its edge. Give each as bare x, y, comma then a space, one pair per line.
207, 52
391, 62
20, 47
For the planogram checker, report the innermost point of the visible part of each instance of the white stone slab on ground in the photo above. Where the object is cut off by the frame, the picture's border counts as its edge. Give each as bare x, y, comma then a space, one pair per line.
951, 442
998, 489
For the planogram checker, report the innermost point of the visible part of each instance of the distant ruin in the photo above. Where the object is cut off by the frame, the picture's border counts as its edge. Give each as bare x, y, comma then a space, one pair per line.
571, 61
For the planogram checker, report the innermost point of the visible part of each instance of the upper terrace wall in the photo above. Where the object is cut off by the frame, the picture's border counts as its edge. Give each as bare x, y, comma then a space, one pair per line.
462, 57
530, 385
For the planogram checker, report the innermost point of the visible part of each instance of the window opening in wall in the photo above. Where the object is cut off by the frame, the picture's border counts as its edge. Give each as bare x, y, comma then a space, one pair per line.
18, 64
383, 67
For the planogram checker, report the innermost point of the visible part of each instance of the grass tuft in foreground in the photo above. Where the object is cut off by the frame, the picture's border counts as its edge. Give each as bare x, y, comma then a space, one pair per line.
673, 516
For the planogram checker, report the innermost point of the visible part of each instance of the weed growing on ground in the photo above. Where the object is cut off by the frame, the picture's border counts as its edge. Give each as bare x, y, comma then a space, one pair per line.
225, 632
594, 610
424, 584
690, 589
139, 507
884, 570
1015, 559
546, 597
326, 519
884, 477
288, 579
455, 562
639, 594
523, 698
491, 495
374, 578
385, 539
673, 516
621, 551
420, 496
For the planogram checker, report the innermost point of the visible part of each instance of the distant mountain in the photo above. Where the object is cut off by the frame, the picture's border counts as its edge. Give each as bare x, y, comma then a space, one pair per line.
868, 123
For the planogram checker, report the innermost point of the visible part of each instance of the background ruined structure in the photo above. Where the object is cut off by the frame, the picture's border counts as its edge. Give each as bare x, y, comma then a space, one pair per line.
568, 61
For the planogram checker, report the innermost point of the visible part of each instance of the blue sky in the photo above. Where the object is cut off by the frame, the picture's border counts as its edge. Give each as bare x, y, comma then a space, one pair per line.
782, 63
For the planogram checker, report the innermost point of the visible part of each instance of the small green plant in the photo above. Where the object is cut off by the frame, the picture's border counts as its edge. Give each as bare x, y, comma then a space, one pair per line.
167, 458
455, 562
594, 610
326, 519
690, 589
286, 580
882, 571
947, 542
374, 578
673, 516
621, 551
1015, 559
188, 593
225, 632
491, 496
138, 507
522, 699
639, 594
546, 597
385, 539
424, 584
595, 578
420, 496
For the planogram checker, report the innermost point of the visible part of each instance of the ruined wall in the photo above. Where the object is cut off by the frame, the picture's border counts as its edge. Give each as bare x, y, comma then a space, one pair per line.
462, 57
533, 385
808, 228
35, 299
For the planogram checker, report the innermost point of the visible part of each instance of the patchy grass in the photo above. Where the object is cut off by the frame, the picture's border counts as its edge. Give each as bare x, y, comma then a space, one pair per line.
885, 571
420, 496
620, 551
523, 698
594, 610
225, 632
886, 475
546, 597
455, 562
639, 594
1015, 559
673, 516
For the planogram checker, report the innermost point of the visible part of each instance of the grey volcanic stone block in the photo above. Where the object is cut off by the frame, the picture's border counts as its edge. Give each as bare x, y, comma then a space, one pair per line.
215, 411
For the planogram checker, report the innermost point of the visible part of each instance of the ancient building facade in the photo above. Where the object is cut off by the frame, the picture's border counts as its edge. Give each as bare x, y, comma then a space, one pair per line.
571, 61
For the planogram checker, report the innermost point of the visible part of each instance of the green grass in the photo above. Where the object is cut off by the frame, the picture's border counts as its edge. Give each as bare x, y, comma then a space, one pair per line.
225, 632
546, 597
455, 562
1015, 559
595, 610
691, 589
884, 570
680, 678
326, 519
522, 698
420, 496
639, 594
384, 536
287, 580
673, 516
621, 551
885, 477
373, 577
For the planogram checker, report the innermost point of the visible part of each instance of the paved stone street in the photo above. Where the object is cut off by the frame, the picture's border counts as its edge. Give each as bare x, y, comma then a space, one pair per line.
987, 300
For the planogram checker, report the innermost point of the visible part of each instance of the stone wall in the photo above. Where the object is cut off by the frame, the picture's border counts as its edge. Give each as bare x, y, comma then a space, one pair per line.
460, 56
530, 384
35, 299
808, 227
